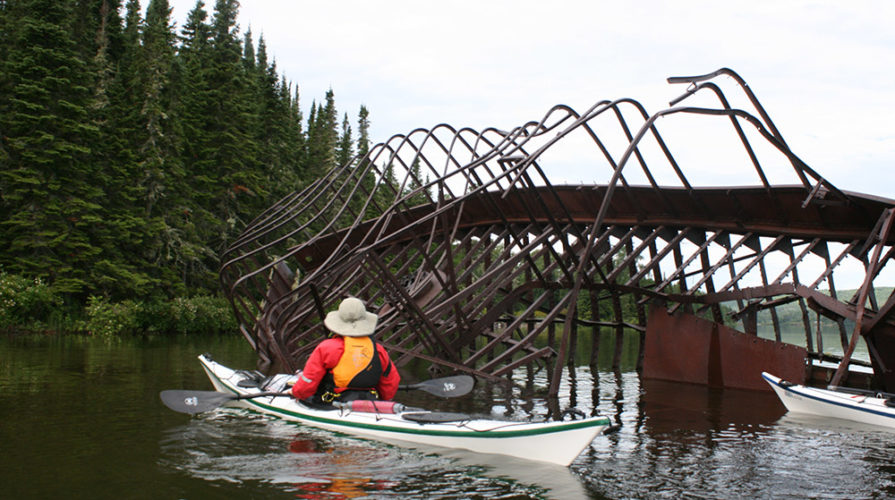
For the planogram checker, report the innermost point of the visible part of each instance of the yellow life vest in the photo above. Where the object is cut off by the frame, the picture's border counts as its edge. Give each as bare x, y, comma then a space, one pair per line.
359, 367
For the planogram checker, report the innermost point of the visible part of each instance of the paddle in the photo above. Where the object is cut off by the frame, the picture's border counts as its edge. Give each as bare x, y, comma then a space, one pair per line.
193, 402
446, 387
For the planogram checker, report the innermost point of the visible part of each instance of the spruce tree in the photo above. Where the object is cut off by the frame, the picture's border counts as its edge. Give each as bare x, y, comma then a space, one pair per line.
345, 147
48, 182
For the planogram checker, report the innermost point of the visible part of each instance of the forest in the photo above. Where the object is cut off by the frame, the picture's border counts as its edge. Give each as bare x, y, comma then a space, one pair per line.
133, 151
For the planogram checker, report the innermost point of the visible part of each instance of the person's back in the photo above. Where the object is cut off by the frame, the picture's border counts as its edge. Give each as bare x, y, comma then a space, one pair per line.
350, 365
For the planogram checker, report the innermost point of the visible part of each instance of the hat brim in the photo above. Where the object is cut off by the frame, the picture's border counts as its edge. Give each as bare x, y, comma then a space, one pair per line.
360, 328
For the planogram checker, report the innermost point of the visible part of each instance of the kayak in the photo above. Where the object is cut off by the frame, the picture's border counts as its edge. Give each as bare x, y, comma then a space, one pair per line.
557, 442
869, 407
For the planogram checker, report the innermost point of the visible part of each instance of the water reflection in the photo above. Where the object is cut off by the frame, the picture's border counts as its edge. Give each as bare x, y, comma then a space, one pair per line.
238, 447
86, 413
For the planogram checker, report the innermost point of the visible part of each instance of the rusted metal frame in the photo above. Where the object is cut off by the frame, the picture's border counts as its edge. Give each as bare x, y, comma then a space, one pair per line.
828, 274
679, 272
487, 294
488, 289
480, 252
515, 238
753, 306
553, 388
468, 170
731, 268
310, 241
497, 311
627, 131
746, 89
552, 222
800, 166
596, 331
794, 261
369, 194
641, 312
635, 253
607, 257
678, 256
451, 159
419, 156
752, 292
775, 321
882, 314
506, 336
541, 127
619, 330
406, 332
873, 240
661, 143
470, 265
436, 342
400, 253
757, 259
276, 216
613, 324
550, 218
739, 130
508, 353
709, 271
656, 256
416, 353
888, 216
507, 264
542, 353
406, 141
453, 286
573, 295
503, 158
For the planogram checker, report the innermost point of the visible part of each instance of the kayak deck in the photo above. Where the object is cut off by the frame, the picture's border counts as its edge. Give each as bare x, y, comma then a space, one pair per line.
558, 442
858, 407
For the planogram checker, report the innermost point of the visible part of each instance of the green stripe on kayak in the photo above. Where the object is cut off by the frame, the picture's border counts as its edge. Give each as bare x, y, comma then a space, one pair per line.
566, 426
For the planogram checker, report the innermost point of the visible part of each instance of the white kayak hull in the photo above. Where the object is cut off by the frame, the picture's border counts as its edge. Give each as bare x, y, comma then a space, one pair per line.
557, 442
864, 408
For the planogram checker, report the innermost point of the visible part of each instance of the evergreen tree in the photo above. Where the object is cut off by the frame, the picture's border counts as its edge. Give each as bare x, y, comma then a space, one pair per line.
237, 184
322, 137
130, 156
120, 271
194, 257
48, 183
345, 147
363, 131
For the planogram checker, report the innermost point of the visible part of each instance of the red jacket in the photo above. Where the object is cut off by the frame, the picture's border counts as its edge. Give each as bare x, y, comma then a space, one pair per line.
326, 356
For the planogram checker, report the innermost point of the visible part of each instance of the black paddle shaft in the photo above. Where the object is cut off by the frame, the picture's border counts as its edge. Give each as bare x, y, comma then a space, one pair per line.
193, 402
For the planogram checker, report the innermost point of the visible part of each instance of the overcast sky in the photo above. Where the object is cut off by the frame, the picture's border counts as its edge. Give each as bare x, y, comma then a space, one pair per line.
824, 70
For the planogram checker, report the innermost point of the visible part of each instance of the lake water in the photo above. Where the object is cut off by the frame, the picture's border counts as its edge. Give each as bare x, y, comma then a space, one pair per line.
81, 418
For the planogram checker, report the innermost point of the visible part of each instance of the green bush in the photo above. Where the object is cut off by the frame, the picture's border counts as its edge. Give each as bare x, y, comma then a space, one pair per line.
26, 302
31, 305
193, 315
202, 314
106, 319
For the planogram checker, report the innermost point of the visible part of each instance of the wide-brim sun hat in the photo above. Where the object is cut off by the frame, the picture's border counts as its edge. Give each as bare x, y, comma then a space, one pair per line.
351, 319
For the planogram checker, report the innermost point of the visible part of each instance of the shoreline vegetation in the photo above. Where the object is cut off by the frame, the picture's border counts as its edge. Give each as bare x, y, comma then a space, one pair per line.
31, 306
134, 151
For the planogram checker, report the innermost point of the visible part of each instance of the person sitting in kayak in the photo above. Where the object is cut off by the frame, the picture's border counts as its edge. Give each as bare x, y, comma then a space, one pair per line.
350, 365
